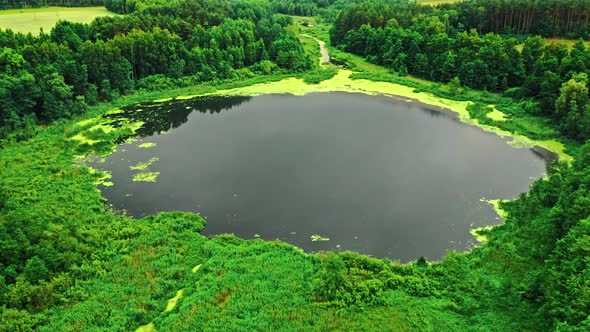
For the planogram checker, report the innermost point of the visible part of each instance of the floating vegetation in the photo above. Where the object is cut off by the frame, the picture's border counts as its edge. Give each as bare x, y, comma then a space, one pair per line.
108, 184
147, 145
146, 177
497, 115
172, 302
100, 176
316, 237
99, 134
495, 203
146, 328
481, 233
142, 166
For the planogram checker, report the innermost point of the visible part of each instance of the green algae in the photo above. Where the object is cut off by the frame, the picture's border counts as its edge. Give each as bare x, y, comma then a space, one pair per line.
147, 145
342, 82
142, 166
115, 110
146, 177
196, 268
108, 184
101, 132
496, 115
480, 233
316, 238
495, 204
146, 328
100, 176
172, 302
162, 100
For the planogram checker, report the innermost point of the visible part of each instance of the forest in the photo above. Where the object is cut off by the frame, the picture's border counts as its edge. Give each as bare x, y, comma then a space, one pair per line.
84, 64
546, 79
70, 263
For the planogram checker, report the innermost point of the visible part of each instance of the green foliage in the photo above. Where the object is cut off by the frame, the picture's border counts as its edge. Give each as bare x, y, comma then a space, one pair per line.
44, 3
68, 263
317, 76
159, 45
572, 107
436, 45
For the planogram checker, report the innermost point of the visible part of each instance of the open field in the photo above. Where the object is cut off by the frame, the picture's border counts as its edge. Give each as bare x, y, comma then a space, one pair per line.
555, 40
568, 42
33, 19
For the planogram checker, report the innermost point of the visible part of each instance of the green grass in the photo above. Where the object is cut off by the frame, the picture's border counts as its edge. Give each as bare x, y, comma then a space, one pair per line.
33, 19
569, 43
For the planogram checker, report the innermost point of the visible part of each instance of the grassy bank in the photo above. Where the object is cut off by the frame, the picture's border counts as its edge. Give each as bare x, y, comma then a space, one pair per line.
490, 111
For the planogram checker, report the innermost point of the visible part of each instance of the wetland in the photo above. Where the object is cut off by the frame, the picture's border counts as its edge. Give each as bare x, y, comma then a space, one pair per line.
324, 171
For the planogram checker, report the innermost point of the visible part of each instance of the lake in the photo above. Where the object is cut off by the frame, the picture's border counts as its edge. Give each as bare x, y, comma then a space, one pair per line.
372, 174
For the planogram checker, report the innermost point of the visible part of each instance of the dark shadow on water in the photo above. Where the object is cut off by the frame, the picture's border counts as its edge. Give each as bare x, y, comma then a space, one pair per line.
160, 117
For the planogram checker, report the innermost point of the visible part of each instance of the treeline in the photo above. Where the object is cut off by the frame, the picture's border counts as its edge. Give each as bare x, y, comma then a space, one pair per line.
158, 46
9, 4
554, 18
570, 18
531, 275
324, 8
549, 80
64, 257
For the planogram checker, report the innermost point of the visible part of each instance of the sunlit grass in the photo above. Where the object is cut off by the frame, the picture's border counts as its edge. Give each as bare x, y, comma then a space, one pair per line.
34, 19
569, 43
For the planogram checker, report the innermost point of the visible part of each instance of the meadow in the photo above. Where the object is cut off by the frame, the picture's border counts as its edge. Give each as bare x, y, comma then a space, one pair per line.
32, 20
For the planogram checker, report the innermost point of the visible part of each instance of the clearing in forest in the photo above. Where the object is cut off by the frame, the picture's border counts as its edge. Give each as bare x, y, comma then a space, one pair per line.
33, 19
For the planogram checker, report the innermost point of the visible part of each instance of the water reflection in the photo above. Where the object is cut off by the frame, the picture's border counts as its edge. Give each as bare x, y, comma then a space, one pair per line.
161, 117
375, 175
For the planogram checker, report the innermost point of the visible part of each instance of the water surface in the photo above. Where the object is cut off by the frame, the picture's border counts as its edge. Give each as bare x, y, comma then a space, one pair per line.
375, 175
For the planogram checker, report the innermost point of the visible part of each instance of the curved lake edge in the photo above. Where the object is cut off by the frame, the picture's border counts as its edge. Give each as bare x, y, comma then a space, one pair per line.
342, 83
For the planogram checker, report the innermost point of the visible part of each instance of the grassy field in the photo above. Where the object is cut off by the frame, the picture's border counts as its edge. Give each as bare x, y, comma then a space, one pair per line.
33, 19
555, 40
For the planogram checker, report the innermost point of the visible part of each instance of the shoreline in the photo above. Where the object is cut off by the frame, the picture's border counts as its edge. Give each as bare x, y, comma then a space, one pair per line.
343, 83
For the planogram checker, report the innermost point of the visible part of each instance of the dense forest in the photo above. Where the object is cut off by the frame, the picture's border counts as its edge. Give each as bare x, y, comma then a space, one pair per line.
550, 80
58, 74
69, 263
9, 4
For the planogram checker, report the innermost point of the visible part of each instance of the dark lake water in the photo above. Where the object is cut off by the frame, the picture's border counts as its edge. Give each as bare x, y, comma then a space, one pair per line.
375, 175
